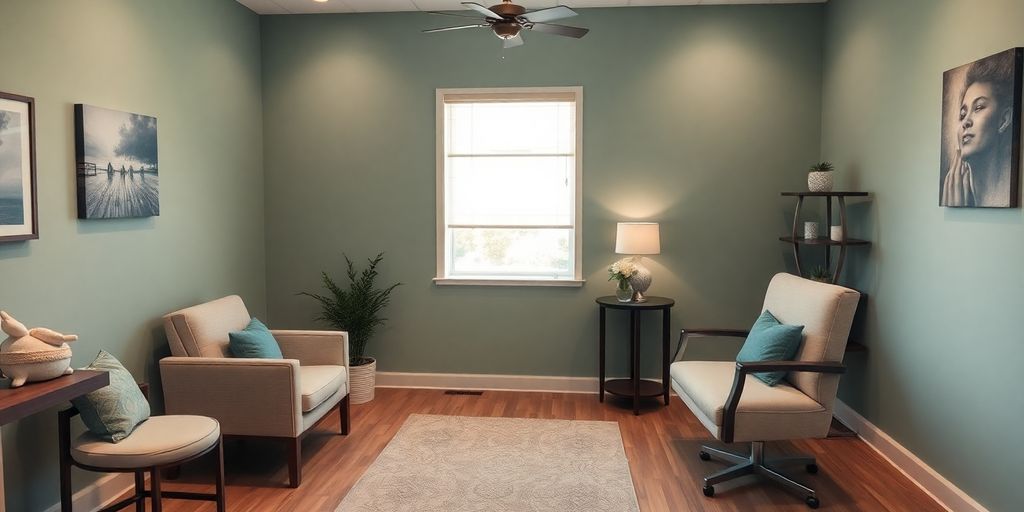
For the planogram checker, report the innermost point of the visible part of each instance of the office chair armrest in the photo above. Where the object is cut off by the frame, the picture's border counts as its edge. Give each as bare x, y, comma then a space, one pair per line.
685, 334
743, 369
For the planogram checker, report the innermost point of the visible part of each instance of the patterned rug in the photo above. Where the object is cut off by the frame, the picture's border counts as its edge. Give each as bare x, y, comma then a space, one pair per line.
468, 464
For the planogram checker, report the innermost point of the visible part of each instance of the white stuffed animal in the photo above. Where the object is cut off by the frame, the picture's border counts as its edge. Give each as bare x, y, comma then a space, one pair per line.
33, 355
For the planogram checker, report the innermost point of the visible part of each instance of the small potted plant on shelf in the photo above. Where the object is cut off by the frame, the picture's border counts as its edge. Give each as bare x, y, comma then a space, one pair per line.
821, 274
621, 271
819, 178
357, 311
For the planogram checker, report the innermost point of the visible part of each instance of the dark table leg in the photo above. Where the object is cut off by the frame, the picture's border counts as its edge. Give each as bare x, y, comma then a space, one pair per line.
600, 377
666, 324
634, 342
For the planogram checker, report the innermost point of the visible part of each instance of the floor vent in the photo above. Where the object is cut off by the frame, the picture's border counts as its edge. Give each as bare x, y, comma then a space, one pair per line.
463, 392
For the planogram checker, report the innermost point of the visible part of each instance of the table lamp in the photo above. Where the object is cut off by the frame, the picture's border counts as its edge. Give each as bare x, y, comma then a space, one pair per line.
637, 239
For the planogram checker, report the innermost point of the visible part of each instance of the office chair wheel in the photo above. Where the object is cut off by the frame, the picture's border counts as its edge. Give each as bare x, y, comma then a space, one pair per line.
704, 455
812, 502
812, 469
709, 490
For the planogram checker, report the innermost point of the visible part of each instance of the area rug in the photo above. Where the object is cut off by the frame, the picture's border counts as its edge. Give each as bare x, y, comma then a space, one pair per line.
468, 464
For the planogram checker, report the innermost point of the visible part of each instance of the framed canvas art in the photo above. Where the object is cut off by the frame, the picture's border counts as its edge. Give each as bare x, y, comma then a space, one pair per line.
18, 216
116, 164
981, 114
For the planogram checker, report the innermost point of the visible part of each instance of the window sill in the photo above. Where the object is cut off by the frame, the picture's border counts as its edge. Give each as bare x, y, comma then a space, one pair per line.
563, 283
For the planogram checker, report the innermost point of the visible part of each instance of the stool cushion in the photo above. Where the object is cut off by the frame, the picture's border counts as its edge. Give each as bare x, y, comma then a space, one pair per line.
318, 383
157, 441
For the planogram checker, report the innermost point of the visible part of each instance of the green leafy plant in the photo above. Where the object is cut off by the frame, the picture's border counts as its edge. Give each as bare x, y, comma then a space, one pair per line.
357, 309
822, 167
821, 274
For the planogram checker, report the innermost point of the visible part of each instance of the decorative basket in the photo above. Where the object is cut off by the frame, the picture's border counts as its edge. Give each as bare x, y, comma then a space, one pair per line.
362, 380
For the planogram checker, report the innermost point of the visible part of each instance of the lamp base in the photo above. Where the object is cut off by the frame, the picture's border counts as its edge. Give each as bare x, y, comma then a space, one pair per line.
640, 281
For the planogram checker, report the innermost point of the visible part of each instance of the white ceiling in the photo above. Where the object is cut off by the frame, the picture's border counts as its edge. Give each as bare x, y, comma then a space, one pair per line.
311, 7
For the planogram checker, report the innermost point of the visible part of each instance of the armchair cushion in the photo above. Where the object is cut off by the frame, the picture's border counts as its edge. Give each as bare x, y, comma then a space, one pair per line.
765, 413
318, 383
254, 341
770, 340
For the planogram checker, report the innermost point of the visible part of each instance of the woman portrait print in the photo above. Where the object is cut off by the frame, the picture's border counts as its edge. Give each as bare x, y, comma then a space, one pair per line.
981, 132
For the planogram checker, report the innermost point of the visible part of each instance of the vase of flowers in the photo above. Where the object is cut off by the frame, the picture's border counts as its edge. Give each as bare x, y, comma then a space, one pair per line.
622, 271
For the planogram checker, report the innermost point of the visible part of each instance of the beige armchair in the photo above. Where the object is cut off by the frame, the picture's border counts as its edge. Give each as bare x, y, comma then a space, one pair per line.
269, 398
737, 407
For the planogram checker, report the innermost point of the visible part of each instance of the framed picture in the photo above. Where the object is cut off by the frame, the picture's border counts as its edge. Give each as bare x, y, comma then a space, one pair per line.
981, 114
18, 216
116, 164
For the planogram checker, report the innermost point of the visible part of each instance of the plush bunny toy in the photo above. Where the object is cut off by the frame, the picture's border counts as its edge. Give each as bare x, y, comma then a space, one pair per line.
33, 355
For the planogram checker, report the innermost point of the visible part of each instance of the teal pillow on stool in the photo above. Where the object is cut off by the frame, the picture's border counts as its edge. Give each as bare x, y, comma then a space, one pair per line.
113, 412
770, 340
254, 341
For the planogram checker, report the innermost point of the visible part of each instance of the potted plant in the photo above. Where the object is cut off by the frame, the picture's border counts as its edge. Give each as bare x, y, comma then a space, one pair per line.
356, 310
621, 271
819, 178
821, 274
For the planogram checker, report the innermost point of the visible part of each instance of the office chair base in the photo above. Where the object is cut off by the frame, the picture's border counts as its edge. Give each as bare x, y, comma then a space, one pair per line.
756, 464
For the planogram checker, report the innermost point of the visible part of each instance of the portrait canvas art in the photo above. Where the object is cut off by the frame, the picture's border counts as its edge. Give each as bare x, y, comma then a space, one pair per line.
116, 164
980, 162
17, 169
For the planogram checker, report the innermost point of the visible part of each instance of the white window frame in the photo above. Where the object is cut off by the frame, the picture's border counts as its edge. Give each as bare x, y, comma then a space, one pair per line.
575, 93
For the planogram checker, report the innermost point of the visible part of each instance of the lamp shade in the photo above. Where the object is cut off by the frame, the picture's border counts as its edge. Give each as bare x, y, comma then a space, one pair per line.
637, 238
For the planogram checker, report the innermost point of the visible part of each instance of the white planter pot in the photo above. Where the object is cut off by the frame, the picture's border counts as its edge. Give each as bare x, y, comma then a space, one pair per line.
362, 380
819, 181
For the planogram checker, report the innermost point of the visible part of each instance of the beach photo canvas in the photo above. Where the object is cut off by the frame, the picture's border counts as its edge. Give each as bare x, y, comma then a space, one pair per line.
116, 164
17, 168
981, 123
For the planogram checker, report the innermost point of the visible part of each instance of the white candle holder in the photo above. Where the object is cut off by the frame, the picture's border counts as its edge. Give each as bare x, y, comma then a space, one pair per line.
836, 233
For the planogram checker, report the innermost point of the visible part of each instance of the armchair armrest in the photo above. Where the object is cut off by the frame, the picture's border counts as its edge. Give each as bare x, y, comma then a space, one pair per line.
314, 347
685, 334
253, 397
740, 378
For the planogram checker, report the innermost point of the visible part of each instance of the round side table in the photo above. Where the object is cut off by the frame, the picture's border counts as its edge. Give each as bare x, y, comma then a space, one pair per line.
634, 387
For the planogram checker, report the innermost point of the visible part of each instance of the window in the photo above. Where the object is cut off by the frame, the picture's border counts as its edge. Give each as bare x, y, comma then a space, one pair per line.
508, 186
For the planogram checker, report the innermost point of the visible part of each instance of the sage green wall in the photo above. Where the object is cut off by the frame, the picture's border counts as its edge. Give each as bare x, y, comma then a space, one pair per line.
695, 117
195, 65
942, 374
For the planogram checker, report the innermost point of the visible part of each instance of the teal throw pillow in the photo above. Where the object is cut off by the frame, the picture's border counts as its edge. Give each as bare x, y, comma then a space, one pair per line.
254, 341
113, 412
770, 340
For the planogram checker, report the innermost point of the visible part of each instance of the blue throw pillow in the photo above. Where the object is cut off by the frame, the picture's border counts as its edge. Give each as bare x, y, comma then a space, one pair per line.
770, 340
254, 341
113, 412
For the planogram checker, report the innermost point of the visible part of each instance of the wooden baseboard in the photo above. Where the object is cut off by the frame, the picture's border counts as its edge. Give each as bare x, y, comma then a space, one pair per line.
937, 486
534, 383
104, 491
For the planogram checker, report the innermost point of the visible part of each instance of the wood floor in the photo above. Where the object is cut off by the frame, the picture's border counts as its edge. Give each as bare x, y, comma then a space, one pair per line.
661, 445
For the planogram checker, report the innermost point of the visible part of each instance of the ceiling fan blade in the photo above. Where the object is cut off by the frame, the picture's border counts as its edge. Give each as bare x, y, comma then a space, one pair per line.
460, 27
559, 30
545, 15
483, 10
443, 13
512, 42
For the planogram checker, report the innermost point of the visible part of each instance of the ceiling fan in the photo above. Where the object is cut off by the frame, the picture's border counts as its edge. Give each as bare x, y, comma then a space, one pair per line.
507, 20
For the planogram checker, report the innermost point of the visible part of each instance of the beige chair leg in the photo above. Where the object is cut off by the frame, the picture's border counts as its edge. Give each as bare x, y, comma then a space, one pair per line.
346, 415
294, 447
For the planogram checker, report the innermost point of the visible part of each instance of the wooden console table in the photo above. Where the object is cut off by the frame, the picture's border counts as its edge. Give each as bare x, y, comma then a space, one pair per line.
634, 387
16, 403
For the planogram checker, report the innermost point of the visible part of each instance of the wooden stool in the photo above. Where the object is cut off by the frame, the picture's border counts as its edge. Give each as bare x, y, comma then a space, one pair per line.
161, 442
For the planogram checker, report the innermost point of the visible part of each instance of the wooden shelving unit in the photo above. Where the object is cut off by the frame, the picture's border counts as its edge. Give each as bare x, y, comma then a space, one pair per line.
796, 241
827, 243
